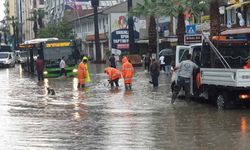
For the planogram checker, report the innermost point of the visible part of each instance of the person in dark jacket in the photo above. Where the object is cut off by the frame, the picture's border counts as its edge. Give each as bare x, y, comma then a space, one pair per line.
155, 72
39, 68
112, 61
147, 61
168, 60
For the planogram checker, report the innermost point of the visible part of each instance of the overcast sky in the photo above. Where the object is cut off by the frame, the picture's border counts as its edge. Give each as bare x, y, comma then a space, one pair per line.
1, 10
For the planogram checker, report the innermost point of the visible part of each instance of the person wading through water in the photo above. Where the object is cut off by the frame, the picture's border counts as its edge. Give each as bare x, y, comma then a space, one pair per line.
185, 73
127, 73
82, 73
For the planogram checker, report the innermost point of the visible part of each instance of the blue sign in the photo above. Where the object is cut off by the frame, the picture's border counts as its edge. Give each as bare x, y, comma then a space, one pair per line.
191, 29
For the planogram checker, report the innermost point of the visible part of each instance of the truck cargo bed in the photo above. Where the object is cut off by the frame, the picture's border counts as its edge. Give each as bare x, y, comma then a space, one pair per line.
225, 77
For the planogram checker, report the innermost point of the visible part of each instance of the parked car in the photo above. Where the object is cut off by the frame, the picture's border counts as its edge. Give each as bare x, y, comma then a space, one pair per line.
7, 59
135, 60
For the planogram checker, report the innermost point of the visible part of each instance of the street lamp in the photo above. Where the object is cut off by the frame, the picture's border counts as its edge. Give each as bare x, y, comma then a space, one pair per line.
95, 5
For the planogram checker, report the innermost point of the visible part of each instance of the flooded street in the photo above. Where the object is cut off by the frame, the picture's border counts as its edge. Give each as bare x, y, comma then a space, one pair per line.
100, 118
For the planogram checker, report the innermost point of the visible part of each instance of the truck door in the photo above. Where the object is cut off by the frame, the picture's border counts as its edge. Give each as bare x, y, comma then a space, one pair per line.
181, 54
195, 81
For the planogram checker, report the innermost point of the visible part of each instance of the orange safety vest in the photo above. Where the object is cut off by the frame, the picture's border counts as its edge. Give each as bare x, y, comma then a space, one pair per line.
127, 71
81, 73
113, 73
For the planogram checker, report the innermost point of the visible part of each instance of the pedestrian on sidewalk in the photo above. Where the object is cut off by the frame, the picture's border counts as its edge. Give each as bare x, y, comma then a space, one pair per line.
112, 61
114, 76
168, 60
127, 73
161, 59
155, 72
62, 66
147, 61
185, 74
39, 68
81, 73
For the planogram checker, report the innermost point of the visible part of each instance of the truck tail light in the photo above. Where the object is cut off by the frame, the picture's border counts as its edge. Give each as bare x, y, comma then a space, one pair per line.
244, 96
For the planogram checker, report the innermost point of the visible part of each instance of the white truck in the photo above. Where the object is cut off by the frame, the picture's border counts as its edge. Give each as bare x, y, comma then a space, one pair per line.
221, 77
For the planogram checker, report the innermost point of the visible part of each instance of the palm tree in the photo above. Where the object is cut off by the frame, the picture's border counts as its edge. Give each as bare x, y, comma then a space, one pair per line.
33, 18
14, 25
148, 9
179, 8
214, 18
37, 19
41, 15
5, 29
153, 8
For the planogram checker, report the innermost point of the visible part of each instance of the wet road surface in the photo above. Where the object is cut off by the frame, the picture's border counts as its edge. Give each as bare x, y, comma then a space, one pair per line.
100, 118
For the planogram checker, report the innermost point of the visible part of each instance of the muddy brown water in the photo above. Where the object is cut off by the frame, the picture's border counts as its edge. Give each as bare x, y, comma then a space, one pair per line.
100, 118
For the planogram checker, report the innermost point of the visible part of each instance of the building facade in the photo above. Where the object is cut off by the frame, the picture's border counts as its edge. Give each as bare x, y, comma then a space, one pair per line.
113, 30
235, 16
28, 6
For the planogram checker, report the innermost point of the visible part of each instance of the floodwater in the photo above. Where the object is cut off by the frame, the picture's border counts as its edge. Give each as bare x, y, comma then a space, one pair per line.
100, 118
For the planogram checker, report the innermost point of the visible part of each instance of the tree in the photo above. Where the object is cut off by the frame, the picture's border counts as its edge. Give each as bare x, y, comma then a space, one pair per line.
179, 8
37, 19
148, 9
5, 29
214, 18
14, 25
41, 15
61, 30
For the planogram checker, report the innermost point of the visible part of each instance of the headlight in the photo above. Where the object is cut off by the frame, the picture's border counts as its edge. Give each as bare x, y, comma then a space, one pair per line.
75, 70
6, 62
45, 72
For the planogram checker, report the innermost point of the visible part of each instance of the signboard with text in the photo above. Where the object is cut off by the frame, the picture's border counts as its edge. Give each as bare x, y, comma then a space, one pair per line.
193, 39
120, 33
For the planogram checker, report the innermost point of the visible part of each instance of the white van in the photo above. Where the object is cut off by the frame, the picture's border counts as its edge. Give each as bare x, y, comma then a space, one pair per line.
21, 56
7, 59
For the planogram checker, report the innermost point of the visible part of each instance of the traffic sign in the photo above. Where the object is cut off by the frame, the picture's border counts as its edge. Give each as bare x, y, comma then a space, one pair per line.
191, 29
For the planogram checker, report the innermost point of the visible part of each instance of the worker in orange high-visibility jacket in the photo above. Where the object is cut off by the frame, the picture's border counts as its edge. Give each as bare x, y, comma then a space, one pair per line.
114, 76
127, 73
81, 73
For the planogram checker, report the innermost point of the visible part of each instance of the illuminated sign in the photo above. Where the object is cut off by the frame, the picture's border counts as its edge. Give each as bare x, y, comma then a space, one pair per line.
62, 44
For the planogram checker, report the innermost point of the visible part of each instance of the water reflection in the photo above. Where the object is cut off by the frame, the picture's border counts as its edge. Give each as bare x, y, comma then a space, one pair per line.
97, 117
243, 129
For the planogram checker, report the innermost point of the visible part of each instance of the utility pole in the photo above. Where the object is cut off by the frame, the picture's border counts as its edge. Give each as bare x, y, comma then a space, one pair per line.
95, 4
131, 29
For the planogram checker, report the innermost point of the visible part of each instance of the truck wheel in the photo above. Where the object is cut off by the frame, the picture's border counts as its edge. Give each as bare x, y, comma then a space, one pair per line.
222, 101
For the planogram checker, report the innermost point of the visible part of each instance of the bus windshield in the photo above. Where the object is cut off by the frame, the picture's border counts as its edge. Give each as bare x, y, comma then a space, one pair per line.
53, 55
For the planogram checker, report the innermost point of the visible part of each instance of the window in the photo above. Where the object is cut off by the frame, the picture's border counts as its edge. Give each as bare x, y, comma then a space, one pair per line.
248, 16
231, 15
41, 2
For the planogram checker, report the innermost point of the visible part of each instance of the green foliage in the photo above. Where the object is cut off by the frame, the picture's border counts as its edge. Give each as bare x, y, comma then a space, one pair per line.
61, 30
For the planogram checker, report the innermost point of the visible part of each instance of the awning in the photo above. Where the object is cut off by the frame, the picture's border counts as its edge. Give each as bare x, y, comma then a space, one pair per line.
102, 36
235, 6
236, 31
